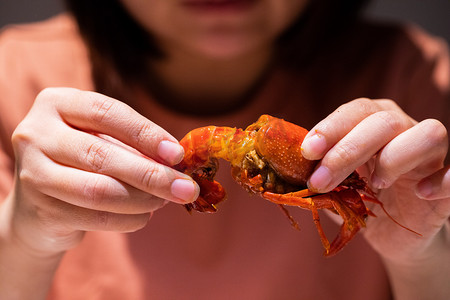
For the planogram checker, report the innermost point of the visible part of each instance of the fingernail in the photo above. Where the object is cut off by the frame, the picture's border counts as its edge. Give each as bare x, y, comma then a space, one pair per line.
424, 188
185, 190
320, 179
314, 146
171, 152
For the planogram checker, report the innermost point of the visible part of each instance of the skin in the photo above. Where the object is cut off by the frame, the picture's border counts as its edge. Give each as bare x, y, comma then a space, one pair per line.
83, 183
404, 160
46, 215
206, 49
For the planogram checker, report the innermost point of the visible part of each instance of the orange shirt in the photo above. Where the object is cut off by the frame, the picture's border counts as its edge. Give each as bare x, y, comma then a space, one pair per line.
247, 250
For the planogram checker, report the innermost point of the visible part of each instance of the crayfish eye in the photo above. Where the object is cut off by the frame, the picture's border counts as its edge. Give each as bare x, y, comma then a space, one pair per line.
208, 171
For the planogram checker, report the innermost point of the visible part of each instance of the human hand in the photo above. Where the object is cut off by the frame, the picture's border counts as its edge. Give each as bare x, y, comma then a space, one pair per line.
404, 162
87, 162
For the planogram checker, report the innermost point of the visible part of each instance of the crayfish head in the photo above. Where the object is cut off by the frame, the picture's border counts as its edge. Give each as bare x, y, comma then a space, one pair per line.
257, 176
278, 142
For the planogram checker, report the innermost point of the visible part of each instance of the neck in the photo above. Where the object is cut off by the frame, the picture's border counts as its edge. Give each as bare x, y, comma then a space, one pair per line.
202, 85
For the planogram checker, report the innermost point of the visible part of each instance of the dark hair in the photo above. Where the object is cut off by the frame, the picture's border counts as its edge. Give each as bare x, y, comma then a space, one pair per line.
119, 46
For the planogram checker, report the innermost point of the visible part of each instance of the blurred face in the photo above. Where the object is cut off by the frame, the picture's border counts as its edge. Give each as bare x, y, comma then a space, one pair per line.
215, 28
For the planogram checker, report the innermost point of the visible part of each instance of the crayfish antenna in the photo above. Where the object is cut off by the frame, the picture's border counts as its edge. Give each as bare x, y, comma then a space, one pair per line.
396, 222
376, 201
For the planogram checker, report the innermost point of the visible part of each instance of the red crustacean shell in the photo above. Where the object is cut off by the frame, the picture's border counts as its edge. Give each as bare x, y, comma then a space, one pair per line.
266, 159
279, 143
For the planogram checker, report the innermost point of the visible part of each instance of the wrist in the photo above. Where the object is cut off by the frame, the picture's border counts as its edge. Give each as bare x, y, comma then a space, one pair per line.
424, 275
32, 236
25, 273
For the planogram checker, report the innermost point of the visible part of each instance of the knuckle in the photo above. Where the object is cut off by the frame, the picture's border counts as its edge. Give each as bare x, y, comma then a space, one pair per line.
345, 153
437, 135
387, 104
95, 192
27, 177
391, 120
155, 177
102, 219
364, 105
101, 108
149, 177
48, 94
436, 130
53, 94
97, 155
143, 133
21, 136
26, 133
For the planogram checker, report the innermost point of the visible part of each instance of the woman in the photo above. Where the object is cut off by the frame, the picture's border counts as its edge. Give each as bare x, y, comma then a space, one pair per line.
89, 167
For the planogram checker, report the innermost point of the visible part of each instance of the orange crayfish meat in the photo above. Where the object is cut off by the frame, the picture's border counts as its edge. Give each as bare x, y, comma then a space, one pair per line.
266, 159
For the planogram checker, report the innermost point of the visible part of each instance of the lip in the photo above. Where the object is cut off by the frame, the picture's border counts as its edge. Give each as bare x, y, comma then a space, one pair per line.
218, 6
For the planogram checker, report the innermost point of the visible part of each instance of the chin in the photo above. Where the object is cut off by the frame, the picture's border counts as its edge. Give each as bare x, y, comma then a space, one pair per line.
223, 53
226, 49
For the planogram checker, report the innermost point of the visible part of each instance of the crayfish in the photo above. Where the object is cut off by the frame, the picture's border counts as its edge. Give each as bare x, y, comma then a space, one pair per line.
266, 159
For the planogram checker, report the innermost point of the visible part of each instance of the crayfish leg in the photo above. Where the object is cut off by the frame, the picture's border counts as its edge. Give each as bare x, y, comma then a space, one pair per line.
201, 205
349, 228
345, 235
323, 237
340, 202
288, 215
301, 199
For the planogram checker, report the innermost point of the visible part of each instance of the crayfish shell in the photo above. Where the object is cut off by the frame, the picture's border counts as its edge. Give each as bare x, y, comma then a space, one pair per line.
279, 143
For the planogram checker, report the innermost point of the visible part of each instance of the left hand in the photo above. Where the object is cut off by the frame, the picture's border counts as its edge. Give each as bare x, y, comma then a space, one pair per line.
404, 162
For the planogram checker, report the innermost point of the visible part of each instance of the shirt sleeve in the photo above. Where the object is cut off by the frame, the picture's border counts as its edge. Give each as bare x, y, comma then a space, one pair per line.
17, 93
6, 174
32, 57
11, 77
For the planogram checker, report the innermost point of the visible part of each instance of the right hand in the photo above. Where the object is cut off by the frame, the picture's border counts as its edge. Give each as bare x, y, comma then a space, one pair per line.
87, 162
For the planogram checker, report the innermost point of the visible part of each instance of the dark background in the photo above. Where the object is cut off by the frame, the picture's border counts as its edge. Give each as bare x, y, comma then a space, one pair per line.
433, 15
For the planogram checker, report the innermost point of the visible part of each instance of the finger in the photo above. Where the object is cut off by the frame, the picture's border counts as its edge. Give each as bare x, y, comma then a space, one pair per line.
79, 218
421, 148
88, 190
356, 148
334, 127
436, 186
91, 111
94, 154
